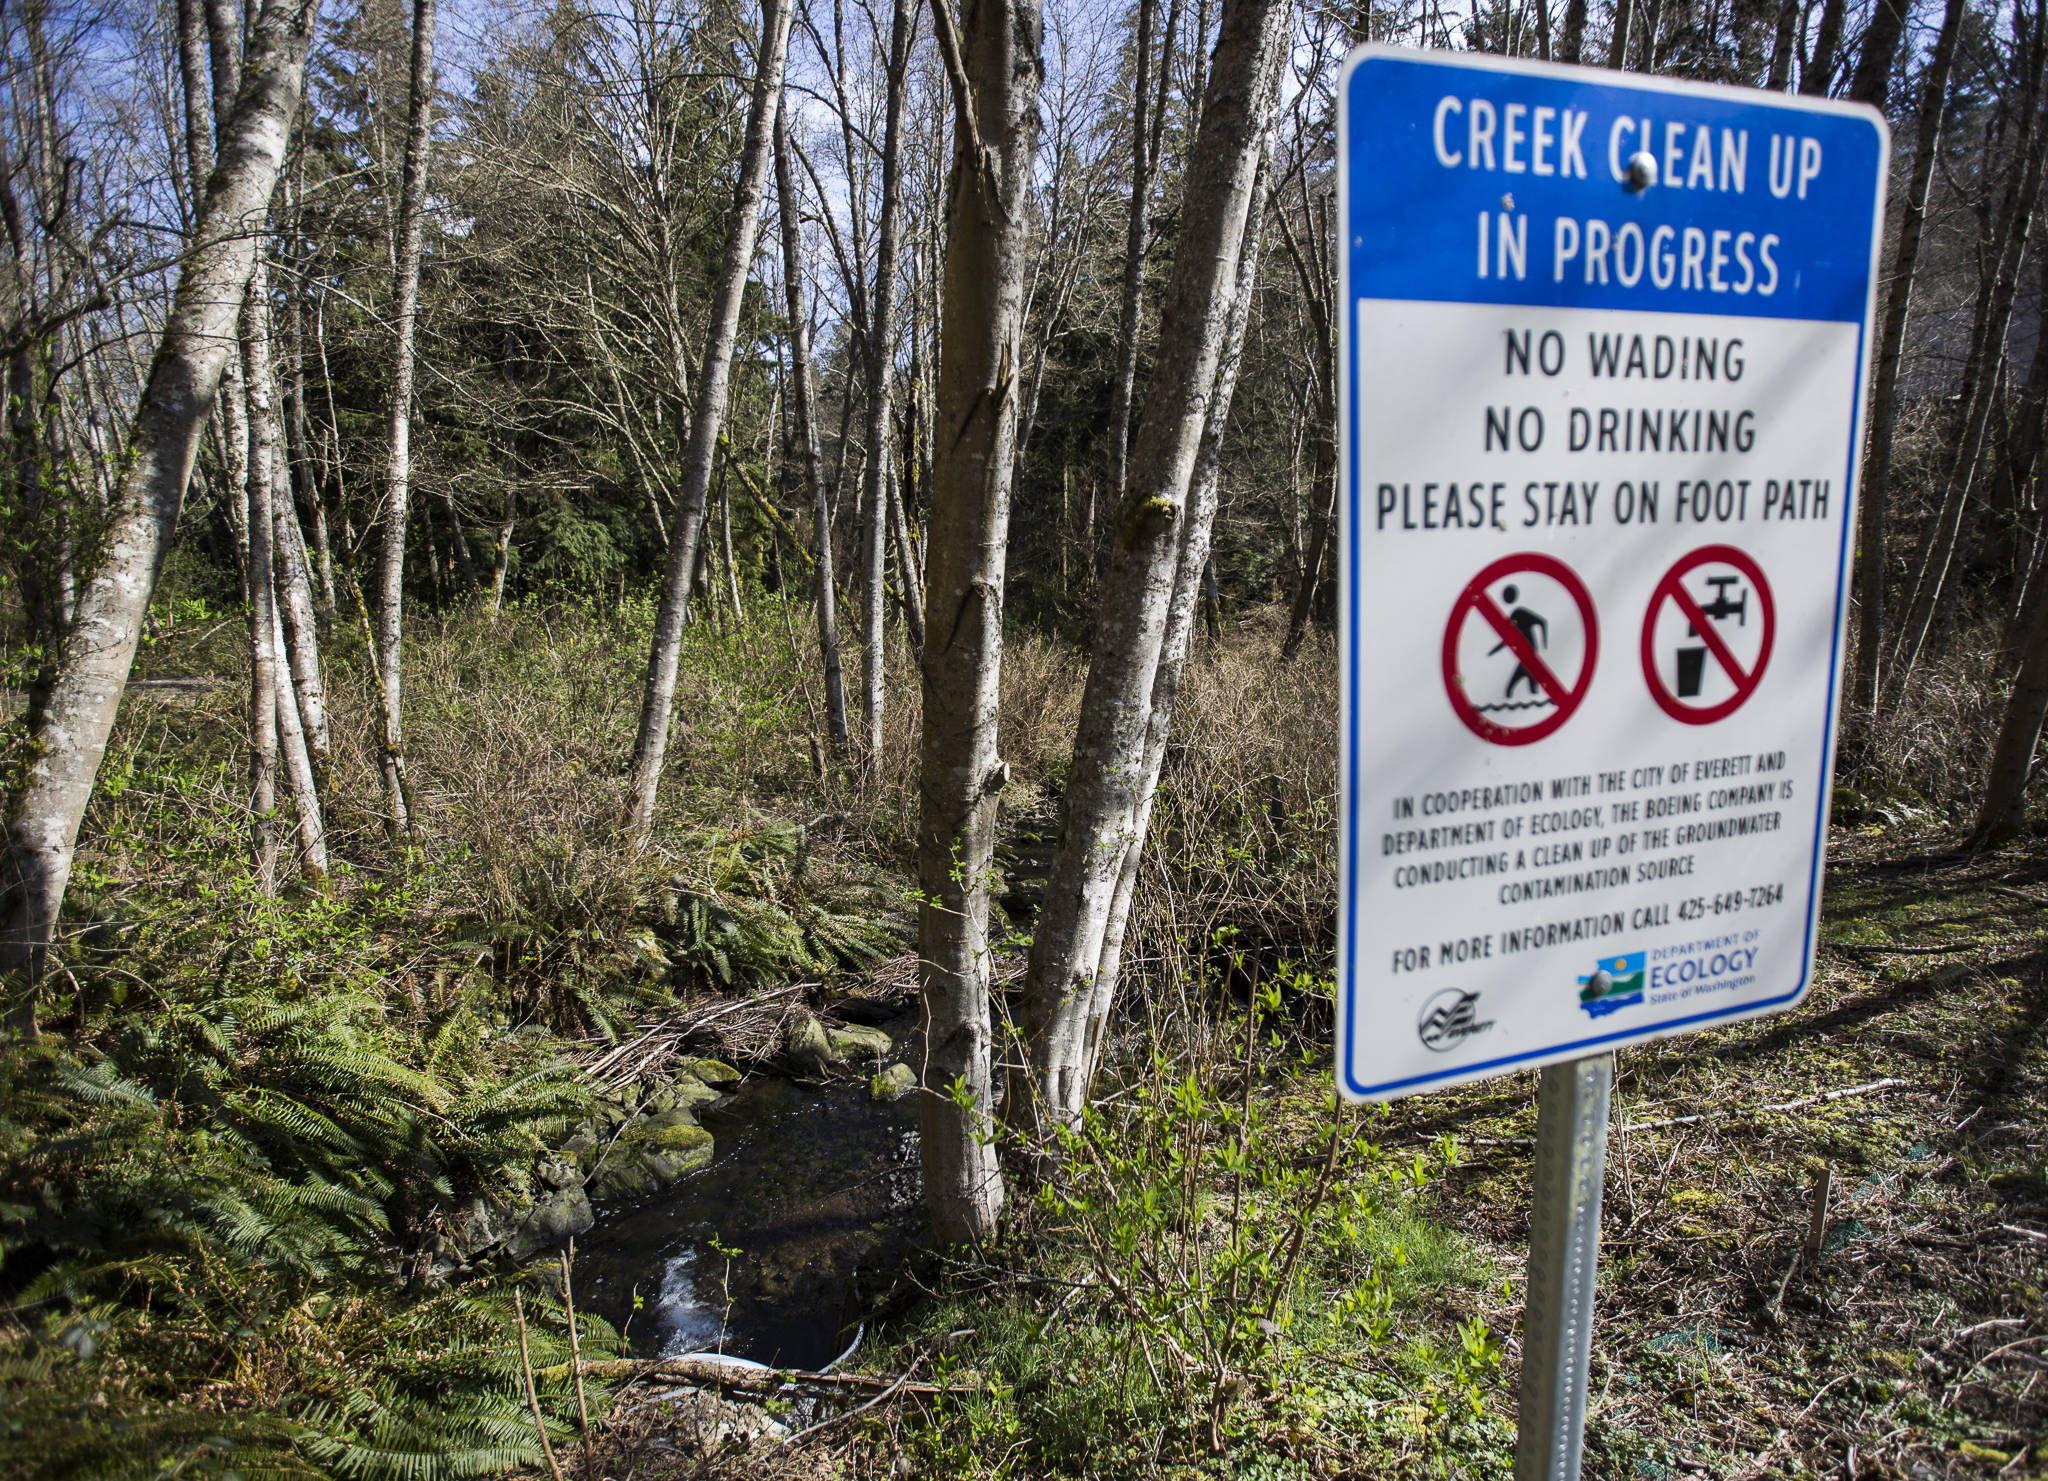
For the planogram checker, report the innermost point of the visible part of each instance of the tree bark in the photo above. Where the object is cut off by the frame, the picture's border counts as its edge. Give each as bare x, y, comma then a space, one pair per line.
995, 69
1780, 75
1818, 74
2003, 812
408, 236
875, 497
1939, 557
298, 769
803, 408
459, 544
1876, 490
1153, 577
1871, 82
263, 622
1136, 226
1617, 44
43, 815
1572, 43
714, 381
503, 561
911, 597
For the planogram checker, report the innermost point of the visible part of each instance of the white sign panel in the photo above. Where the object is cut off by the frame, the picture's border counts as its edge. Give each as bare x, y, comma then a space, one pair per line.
1605, 338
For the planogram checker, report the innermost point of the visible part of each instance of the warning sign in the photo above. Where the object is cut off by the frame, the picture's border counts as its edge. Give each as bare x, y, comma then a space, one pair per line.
1512, 673
1604, 338
1708, 635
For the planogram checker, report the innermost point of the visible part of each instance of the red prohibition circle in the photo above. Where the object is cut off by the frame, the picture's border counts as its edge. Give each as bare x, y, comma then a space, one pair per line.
1476, 598
1671, 589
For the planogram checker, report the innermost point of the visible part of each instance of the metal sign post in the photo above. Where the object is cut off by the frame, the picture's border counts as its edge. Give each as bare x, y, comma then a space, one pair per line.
1603, 344
1564, 1252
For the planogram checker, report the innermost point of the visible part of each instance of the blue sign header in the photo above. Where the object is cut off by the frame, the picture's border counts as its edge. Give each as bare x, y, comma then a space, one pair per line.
1488, 181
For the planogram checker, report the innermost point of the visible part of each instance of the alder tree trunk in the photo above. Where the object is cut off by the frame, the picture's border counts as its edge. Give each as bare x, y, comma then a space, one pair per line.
298, 770
459, 543
411, 229
1877, 465
1130, 306
995, 68
881, 337
1617, 42
1989, 355
1318, 281
1152, 582
1871, 82
2003, 812
1780, 75
911, 597
1819, 71
804, 416
263, 623
503, 560
42, 817
714, 381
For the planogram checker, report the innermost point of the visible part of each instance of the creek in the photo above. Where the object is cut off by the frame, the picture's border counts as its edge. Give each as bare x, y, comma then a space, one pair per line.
819, 1191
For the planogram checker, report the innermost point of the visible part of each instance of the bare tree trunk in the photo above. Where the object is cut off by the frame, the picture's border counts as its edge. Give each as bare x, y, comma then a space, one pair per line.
299, 771
1153, 577
1314, 272
1877, 466
300, 629
1136, 228
1780, 75
1617, 44
2003, 812
1941, 550
459, 543
1572, 44
1872, 80
803, 409
650, 747
996, 71
503, 562
263, 622
411, 229
1819, 71
732, 570
876, 502
911, 597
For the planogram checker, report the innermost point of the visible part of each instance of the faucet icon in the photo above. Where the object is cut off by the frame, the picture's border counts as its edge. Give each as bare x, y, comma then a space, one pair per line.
1722, 607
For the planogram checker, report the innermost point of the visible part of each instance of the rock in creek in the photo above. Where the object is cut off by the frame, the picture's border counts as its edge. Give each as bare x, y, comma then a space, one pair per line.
561, 1215
714, 1072
809, 1047
893, 1083
856, 1042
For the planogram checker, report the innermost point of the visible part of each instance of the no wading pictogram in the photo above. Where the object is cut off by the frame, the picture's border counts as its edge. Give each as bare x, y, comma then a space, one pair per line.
1519, 649
1707, 635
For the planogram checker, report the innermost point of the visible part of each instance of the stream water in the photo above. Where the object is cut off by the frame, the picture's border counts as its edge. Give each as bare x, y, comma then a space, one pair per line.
817, 1188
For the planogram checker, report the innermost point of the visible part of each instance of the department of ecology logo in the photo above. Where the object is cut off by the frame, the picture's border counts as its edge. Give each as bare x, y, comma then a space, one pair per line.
1617, 982
1450, 1018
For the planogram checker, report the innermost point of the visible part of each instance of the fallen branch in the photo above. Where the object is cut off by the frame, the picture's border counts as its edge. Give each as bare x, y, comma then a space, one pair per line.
1790, 1105
1858, 948
712, 1373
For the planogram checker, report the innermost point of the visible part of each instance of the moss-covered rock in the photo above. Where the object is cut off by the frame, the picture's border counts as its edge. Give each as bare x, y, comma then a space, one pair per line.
692, 1092
714, 1072
852, 1041
893, 1083
809, 1047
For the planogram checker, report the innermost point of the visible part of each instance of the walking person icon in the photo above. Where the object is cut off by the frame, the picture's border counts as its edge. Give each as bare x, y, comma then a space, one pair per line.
1528, 617
1528, 624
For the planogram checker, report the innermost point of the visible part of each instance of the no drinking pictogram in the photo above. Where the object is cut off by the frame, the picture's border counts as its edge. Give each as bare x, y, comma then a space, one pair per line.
1519, 649
1707, 635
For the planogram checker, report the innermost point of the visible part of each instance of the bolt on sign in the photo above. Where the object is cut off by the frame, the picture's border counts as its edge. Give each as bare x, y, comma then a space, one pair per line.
1605, 339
